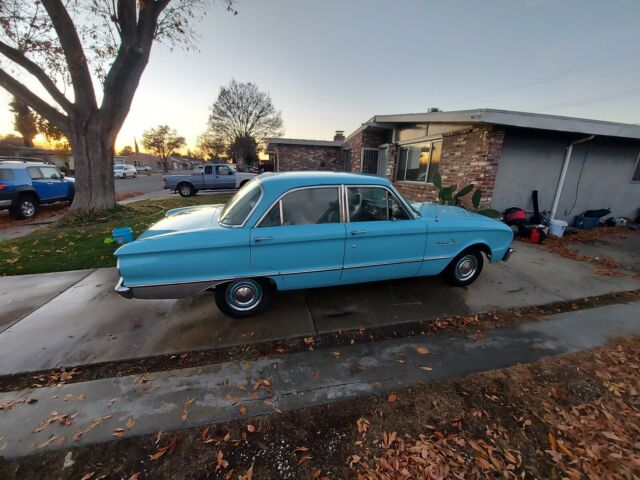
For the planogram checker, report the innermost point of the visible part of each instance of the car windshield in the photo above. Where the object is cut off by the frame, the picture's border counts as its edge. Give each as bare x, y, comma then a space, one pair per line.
118, 167
239, 207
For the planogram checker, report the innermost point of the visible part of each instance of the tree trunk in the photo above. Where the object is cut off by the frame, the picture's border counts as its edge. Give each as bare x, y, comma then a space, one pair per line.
93, 164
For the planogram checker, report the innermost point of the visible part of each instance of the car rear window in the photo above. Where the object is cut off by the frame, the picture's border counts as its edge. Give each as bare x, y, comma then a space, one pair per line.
6, 174
239, 207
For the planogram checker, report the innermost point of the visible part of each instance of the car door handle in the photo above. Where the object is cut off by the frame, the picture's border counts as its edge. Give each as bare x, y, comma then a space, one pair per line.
262, 239
358, 232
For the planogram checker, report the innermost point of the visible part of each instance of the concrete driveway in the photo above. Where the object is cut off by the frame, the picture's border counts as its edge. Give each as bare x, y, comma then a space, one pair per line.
88, 323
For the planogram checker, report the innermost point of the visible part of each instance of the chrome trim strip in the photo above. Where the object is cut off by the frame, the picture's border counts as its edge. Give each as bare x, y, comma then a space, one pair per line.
318, 270
429, 259
382, 264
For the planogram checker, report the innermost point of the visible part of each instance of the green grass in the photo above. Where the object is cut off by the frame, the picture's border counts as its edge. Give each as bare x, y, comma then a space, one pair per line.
77, 242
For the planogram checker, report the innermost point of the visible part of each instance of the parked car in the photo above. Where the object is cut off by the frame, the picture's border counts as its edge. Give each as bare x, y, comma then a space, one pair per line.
288, 231
124, 171
26, 183
211, 177
143, 168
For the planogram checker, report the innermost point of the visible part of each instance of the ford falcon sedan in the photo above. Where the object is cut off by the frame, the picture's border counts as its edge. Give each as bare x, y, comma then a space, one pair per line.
286, 231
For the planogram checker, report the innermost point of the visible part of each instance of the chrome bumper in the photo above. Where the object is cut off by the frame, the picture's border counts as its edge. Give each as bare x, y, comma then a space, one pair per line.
168, 291
125, 292
508, 254
5, 203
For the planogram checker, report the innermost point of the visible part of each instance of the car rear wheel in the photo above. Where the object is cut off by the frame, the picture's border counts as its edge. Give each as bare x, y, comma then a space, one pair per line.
186, 190
243, 298
26, 207
465, 268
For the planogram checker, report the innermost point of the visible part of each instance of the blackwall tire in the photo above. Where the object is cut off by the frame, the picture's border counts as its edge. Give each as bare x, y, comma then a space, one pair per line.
26, 207
186, 190
243, 298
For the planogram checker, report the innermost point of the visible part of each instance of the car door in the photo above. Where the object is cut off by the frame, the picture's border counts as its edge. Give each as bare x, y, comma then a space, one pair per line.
225, 177
47, 182
301, 238
383, 240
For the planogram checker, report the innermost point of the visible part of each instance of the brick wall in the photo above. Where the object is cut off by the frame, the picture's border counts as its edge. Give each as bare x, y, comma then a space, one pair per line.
369, 137
468, 156
308, 157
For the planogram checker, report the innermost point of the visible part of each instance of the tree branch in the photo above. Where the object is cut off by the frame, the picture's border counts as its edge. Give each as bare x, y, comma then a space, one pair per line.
27, 96
19, 58
73, 53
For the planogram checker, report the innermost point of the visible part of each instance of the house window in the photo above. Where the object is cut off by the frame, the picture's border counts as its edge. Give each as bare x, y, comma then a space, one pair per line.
636, 172
370, 160
419, 162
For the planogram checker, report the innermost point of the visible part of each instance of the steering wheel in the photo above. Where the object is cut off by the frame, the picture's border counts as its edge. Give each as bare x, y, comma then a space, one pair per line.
355, 204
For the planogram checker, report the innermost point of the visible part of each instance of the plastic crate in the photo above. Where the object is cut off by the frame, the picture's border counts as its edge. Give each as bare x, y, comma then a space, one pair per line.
586, 223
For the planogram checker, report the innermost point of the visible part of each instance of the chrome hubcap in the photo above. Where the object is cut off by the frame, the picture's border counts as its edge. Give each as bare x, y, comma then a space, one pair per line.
28, 209
244, 295
466, 267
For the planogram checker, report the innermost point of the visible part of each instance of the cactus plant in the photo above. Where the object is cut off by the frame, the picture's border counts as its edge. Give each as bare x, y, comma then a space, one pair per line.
449, 196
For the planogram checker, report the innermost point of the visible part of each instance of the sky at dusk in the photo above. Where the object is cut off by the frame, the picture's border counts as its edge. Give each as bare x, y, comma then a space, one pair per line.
331, 64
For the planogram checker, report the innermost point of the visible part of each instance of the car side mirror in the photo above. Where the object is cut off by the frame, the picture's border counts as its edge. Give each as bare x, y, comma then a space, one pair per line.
230, 173
61, 175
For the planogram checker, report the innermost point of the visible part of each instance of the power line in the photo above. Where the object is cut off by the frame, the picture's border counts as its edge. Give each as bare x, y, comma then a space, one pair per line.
609, 97
553, 76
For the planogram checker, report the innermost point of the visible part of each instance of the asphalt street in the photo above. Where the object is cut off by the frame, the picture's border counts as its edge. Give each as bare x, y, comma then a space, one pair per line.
144, 183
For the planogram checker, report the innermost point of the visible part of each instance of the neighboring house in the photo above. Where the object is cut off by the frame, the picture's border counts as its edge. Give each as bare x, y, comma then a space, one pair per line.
507, 154
62, 160
137, 159
184, 163
288, 154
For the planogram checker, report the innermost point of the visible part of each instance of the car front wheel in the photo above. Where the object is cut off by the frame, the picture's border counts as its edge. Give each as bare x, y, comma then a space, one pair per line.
243, 298
465, 268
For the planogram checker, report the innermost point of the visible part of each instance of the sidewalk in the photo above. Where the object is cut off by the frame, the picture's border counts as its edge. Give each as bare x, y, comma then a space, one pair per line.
164, 401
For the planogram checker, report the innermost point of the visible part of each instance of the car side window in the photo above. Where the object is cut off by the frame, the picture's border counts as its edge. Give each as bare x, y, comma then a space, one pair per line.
311, 206
367, 204
50, 173
372, 204
208, 169
222, 170
272, 219
396, 210
34, 173
6, 174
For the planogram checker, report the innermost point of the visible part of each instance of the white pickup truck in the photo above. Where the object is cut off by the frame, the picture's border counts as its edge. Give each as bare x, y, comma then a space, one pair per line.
217, 176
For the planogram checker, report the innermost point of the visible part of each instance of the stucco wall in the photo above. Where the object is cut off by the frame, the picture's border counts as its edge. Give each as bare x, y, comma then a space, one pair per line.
532, 160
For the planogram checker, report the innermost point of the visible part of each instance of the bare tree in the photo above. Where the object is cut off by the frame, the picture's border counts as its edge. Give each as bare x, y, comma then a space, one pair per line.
58, 42
24, 121
242, 111
210, 146
163, 141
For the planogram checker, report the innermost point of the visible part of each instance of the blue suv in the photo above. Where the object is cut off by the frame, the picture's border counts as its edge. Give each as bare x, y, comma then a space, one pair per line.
26, 183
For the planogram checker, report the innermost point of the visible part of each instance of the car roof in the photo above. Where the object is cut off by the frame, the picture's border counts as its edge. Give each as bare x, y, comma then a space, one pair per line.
287, 180
19, 162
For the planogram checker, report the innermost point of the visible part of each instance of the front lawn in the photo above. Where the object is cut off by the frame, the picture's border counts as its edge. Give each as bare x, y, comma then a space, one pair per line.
77, 242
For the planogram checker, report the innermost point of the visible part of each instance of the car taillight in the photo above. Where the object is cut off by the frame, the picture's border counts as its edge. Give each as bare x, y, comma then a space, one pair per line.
4, 187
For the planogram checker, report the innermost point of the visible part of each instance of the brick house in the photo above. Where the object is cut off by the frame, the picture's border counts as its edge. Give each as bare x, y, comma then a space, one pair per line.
507, 154
290, 154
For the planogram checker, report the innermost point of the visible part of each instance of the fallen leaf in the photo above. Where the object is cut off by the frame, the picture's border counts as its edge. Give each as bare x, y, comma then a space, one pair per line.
135, 476
118, 433
87, 476
427, 369
304, 459
422, 350
248, 475
159, 453
251, 428
130, 423
243, 410
392, 398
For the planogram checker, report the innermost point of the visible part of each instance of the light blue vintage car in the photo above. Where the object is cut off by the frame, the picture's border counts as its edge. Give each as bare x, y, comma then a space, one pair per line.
287, 231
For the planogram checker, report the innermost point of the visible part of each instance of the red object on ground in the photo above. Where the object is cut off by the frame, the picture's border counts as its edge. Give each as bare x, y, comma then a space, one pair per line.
535, 236
516, 215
